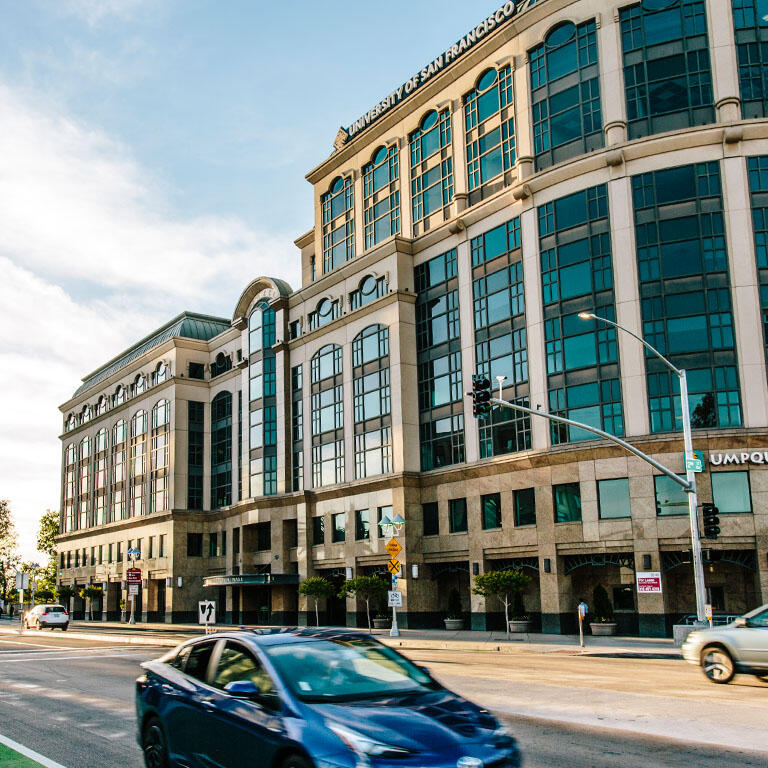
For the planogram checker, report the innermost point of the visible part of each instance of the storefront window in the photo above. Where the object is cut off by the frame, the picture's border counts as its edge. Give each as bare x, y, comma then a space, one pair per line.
730, 492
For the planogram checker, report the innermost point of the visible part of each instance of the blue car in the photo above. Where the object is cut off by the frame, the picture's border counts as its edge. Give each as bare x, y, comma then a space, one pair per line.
307, 698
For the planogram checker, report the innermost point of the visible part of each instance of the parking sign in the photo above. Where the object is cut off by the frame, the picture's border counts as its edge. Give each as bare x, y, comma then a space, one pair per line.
394, 599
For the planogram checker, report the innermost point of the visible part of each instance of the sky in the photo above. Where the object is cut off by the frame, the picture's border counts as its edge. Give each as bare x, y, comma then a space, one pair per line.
152, 160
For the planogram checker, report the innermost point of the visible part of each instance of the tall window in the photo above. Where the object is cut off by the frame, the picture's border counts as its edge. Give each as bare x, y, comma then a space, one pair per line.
161, 426
101, 477
686, 304
221, 450
567, 502
381, 195
327, 417
262, 403
667, 76
576, 276
338, 206
138, 463
431, 171
750, 21
500, 337
438, 345
758, 188
565, 91
297, 427
195, 437
119, 472
70, 480
457, 515
373, 423
489, 124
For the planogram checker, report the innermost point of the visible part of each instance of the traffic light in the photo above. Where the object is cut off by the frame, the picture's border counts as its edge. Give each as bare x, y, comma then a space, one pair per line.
709, 513
481, 396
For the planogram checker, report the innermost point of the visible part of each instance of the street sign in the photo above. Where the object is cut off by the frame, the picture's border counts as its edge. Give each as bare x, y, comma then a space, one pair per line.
393, 566
22, 581
206, 612
695, 461
393, 548
394, 599
133, 575
708, 611
649, 582
133, 589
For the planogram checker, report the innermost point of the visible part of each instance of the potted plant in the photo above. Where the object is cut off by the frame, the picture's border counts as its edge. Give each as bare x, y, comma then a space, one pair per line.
454, 619
507, 587
90, 593
317, 588
381, 620
366, 587
122, 609
603, 623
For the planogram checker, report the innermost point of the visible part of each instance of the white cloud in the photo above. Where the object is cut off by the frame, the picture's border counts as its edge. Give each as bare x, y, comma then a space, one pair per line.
95, 11
91, 260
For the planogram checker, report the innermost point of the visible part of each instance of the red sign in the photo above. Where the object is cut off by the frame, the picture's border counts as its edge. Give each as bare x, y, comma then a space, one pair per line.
649, 582
133, 575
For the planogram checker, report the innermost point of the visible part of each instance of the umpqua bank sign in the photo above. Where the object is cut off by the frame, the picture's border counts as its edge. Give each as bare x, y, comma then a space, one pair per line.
410, 86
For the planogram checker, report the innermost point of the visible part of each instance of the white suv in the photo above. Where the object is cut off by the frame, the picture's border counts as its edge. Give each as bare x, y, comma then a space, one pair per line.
47, 616
741, 646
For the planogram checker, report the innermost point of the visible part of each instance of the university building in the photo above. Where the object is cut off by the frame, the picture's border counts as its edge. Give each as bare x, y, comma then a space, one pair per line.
561, 157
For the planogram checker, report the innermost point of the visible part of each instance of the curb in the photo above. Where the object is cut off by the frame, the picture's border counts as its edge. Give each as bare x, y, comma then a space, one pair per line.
129, 640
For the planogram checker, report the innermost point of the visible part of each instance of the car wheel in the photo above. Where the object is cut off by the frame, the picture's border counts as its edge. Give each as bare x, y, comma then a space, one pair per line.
296, 761
717, 664
64, 627
38, 625
153, 745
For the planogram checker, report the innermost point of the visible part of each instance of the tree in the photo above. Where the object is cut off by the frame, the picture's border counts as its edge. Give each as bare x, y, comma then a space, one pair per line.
63, 594
46, 542
505, 586
366, 587
90, 593
8, 542
601, 603
317, 588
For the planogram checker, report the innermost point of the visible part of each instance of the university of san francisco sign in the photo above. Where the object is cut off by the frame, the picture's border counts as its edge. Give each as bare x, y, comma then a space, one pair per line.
458, 49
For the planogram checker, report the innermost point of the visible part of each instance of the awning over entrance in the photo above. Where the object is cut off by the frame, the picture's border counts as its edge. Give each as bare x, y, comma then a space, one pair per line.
245, 579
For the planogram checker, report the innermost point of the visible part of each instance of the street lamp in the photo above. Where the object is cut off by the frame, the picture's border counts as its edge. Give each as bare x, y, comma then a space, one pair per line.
690, 486
133, 555
394, 525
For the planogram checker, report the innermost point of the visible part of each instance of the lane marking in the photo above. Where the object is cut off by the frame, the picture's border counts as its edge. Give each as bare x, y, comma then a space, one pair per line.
39, 645
68, 658
31, 754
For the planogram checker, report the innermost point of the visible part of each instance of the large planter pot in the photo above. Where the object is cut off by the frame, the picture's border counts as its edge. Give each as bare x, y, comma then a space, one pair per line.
454, 624
381, 623
603, 628
520, 625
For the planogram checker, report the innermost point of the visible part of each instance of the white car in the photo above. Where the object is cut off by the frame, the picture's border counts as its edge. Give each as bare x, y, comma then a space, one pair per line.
739, 647
47, 616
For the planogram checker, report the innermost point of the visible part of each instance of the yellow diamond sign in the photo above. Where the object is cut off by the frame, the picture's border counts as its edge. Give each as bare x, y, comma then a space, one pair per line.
393, 548
393, 566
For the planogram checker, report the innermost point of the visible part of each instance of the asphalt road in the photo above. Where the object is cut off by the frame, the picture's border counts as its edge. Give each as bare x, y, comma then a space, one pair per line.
72, 701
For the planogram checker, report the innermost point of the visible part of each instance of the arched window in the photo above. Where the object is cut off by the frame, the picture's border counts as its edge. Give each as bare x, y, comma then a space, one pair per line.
370, 289
100, 487
139, 385
85, 414
121, 395
221, 364
85, 482
70, 423
261, 328
101, 405
162, 373
138, 463
431, 171
119, 436
381, 195
70, 474
221, 450
327, 416
565, 90
338, 206
489, 123
372, 402
160, 456
326, 311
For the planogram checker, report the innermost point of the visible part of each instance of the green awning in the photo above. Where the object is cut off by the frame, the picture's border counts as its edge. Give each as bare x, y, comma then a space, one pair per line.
245, 579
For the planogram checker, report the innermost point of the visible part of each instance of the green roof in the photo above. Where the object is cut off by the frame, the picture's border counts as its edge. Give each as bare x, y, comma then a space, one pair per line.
187, 325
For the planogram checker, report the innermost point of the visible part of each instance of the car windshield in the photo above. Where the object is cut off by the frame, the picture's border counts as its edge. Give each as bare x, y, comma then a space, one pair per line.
338, 670
55, 609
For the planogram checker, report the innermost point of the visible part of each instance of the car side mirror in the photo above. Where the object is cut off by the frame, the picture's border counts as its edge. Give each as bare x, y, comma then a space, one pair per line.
243, 689
740, 622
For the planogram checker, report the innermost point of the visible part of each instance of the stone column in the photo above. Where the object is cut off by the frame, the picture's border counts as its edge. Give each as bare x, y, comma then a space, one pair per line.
467, 330
722, 51
611, 79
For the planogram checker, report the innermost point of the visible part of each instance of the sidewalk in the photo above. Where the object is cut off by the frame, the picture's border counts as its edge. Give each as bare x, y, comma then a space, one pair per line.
423, 639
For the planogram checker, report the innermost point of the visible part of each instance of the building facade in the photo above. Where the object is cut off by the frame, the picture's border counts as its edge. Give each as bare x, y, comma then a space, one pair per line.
561, 157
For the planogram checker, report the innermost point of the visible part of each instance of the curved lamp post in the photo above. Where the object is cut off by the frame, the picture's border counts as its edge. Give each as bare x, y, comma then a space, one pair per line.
690, 487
